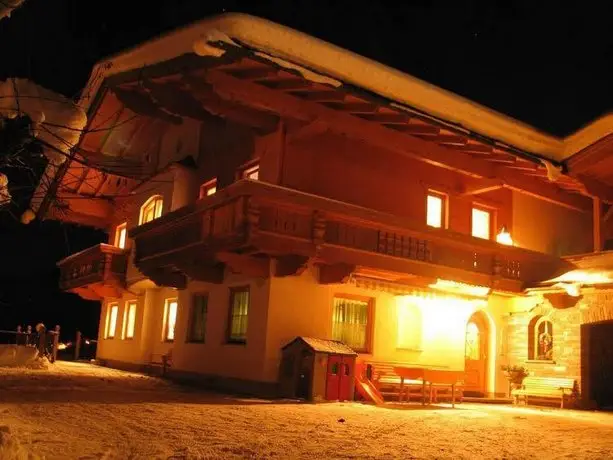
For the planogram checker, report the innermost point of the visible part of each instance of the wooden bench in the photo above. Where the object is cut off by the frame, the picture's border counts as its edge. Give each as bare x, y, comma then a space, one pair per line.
162, 360
544, 388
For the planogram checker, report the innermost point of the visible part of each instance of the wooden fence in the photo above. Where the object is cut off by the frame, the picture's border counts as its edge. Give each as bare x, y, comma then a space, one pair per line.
46, 341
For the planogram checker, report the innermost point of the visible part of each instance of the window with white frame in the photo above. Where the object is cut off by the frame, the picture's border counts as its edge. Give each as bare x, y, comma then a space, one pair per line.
129, 320
409, 324
208, 188
121, 232
151, 210
351, 322
252, 172
238, 314
111, 321
436, 205
170, 319
197, 318
481, 223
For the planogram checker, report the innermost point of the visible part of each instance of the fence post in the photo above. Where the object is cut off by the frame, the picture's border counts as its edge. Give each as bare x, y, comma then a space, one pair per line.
42, 338
56, 340
77, 346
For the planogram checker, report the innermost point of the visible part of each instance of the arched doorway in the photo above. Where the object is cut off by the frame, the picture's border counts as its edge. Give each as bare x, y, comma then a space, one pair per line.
476, 355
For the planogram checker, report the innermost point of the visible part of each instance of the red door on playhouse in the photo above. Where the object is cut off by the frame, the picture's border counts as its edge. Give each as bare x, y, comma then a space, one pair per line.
333, 379
345, 380
339, 378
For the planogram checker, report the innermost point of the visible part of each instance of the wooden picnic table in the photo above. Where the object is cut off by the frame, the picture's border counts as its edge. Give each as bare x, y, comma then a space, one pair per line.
429, 376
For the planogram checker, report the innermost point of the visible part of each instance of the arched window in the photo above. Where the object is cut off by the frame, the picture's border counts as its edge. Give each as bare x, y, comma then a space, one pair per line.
152, 209
540, 339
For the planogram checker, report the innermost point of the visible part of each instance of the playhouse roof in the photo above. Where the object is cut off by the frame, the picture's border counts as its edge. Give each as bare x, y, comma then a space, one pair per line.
331, 347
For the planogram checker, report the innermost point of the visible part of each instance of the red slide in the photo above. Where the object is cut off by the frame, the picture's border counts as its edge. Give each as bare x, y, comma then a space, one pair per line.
365, 388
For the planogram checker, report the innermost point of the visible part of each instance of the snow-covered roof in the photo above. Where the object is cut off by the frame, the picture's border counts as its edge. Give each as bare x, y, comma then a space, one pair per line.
320, 60
325, 346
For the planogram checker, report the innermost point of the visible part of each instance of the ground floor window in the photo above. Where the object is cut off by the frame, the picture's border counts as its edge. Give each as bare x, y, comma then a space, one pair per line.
197, 319
111, 321
239, 314
351, 322
170, 319
540, 339
129, 320
409, 325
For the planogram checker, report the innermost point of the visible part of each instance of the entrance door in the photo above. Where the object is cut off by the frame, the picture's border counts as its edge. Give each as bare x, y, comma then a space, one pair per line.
597, 340
475, 357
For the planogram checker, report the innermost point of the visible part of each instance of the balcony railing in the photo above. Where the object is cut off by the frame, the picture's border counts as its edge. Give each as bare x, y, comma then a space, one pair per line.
253, 216
100, 264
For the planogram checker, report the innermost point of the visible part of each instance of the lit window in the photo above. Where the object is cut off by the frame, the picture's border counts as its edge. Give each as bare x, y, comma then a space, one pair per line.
409, 322
120, 236
170, 319
152, 209
208, 188
239, 314
197, 320
435, 211
481, 223
129, 320
540, 339
253, 172
111, 321
351, 323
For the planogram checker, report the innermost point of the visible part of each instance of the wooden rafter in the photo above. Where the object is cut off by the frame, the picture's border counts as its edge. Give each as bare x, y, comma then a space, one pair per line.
321, 96
352, 107
387, 118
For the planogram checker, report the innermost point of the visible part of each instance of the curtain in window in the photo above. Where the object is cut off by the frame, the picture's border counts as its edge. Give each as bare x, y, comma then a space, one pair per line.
350, 322
198, 319
239, 315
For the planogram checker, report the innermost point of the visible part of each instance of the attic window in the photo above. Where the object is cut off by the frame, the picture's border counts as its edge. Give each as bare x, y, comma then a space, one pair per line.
252, 172
208, 188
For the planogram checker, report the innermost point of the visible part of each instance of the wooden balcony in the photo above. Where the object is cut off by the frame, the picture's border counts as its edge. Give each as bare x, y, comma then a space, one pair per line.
250, 223
95, 273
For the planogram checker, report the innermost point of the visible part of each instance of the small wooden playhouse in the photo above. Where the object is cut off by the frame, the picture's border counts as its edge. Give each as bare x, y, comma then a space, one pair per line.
317, 370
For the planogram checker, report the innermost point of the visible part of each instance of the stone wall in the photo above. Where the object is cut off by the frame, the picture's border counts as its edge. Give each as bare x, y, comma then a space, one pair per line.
566, 334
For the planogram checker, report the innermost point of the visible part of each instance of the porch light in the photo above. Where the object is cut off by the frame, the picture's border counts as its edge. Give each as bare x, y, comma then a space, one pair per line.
460, 288
504, 237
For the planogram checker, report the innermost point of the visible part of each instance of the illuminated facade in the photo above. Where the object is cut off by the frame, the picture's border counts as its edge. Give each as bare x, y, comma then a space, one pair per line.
266, 196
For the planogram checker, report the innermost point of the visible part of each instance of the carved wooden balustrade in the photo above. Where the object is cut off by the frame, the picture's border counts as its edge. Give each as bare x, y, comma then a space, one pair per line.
256, 218
91, 272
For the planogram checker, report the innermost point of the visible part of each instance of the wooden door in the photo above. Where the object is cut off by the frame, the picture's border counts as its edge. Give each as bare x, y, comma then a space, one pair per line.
333, 377
475, 357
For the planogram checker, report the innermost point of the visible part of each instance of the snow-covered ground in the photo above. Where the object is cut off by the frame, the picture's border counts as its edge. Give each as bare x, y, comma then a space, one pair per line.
80, 411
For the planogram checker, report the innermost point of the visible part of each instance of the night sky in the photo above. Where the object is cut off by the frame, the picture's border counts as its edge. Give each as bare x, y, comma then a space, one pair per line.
539, 61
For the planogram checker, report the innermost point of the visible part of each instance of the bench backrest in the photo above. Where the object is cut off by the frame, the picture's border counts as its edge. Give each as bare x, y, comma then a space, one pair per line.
545, 383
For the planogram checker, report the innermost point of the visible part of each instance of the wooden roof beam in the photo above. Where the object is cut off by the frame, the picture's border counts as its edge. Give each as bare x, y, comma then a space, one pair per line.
320, 96
353, 107
475, 148
253, 73
449, 139
418, 129
234, 110
386, 118
483, 186
388, 139
286, 84
596, 189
